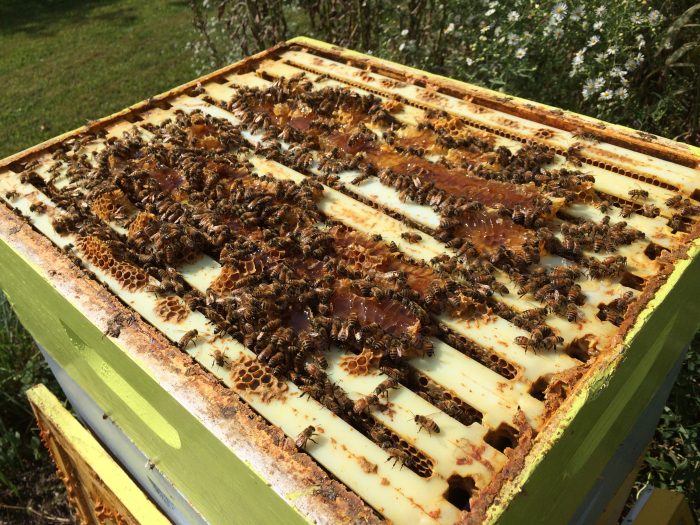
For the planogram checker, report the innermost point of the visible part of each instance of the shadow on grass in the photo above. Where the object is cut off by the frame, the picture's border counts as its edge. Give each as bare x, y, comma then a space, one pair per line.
43, 18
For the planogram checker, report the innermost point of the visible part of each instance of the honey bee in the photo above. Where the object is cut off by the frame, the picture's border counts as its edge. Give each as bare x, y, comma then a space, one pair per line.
384, 387
426, 423
219, 358
676, 223
674, 201
627, 210
38, 207
189, 337
411, 237
638, 194
649, 210
11, 195
523, 341
305, 436
364, 404
396, 454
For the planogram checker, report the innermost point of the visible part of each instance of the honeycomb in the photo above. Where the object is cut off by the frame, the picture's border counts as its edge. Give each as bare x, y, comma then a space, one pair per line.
172, 309
111, 205
100, 254
360, 364
255, 378
139, 224
362, 246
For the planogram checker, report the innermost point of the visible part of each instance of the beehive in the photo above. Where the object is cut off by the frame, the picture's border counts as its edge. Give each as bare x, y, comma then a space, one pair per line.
468, 297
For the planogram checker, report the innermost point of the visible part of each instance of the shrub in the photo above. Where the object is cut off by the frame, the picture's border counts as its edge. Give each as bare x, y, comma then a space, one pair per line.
635, 63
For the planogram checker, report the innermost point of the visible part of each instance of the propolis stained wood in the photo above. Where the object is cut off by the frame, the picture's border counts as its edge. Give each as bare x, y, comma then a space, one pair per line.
350, 290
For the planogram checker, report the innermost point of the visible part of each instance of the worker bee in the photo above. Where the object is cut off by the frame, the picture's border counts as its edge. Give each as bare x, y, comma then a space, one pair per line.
676, 222
674, 201
523, 341
38, 207
305, 436
384, 387
396, 454
11, 195
638, 194
426, 423
189, 337
364, 404
411, 237
604, 206
649, 210
627, 210
571, 313
219, 358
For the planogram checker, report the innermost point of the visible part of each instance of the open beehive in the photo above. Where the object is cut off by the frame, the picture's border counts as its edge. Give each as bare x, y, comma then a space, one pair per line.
438, 293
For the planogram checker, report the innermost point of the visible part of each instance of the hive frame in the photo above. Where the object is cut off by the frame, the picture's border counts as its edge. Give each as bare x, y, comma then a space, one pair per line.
598, 376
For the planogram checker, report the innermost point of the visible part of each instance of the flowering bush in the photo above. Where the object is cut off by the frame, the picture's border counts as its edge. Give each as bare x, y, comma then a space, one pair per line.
632, 62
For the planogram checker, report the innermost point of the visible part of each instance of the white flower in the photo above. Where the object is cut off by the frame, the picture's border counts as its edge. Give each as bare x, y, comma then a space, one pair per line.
404, 32
555, 19
621, 93
578, 59
512, 39
497, 31
469, 61
558, 33
493, 4
559, 9
600, 11
598, 25
598, 83
617, 71
520, 52
401, 46
612, 50
586, 92
606, 95
637, 19
490, 12
640, 41
577, 13
593, 40
654, 17
639, 58
449, 28
513, 16
486, 28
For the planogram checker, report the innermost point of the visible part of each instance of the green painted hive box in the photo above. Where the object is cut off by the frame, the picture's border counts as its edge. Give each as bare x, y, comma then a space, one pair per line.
319, 286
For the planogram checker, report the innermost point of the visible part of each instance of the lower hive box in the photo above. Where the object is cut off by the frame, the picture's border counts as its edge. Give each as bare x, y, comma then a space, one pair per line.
319, 286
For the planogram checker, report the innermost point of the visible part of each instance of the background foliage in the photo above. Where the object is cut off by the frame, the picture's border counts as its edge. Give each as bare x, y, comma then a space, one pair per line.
631, 62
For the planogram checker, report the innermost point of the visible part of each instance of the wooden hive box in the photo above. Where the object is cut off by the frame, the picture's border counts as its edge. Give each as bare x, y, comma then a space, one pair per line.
327, 221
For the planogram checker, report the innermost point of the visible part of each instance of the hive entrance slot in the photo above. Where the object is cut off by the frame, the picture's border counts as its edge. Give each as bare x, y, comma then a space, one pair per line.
459, 491
581, 347
502, 437
654, 250
632, 281
537, 390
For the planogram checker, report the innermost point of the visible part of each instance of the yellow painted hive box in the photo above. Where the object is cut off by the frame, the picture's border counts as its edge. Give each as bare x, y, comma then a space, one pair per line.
317, 286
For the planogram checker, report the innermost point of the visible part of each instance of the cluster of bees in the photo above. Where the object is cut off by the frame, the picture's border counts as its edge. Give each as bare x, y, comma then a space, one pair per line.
293, 283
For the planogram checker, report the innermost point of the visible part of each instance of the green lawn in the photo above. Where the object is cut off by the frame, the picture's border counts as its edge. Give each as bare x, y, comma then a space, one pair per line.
64, 61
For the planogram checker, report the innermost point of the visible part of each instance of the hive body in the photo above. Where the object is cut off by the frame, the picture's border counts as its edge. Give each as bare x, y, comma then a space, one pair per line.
449, 299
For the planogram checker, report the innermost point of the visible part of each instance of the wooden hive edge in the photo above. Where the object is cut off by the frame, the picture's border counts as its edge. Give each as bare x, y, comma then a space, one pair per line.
510, 482
294, 476
616, 134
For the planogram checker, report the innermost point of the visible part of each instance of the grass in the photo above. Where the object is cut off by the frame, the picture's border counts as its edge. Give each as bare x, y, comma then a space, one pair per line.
64, 62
